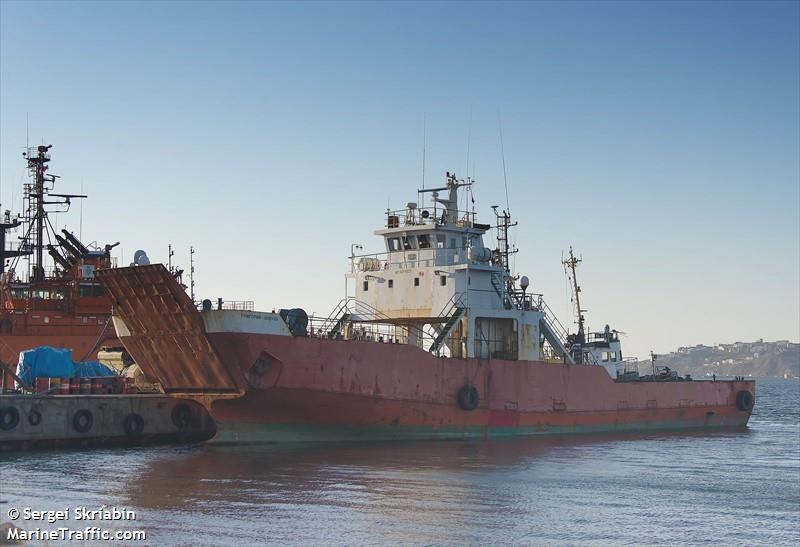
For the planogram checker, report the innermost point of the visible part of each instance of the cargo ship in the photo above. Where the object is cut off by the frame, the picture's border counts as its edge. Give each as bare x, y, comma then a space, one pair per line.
59, 303
438, 339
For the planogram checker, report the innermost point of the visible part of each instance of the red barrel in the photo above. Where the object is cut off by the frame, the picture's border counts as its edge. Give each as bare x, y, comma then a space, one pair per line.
63, 388
86, 386
55, 385
42, 384
119, 384
74, 386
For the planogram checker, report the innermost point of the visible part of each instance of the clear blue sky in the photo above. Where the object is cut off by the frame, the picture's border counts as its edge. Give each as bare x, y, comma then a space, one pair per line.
660, 139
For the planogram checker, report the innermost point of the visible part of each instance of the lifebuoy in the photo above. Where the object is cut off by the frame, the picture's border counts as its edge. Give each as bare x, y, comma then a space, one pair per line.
181, 416
9, 418
133, 424
82, 421
744, 400
468, 397
34, 417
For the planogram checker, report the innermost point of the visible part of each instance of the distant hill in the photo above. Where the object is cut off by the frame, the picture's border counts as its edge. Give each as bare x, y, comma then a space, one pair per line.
761, 359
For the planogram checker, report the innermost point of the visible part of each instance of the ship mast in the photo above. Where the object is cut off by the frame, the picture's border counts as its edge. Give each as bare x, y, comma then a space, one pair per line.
35, 213
569, 267
37, 167
504, 249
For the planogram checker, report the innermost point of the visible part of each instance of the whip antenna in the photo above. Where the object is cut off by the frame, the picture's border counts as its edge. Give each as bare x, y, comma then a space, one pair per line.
503, 157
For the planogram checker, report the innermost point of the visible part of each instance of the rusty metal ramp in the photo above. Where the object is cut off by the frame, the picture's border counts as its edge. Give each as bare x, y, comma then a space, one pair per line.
165, 334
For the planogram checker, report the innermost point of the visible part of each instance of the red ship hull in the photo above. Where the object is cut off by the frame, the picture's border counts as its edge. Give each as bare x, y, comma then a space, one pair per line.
274, 388
316, 389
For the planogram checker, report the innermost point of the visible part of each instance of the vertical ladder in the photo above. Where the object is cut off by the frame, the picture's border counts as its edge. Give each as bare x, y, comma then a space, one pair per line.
497, 284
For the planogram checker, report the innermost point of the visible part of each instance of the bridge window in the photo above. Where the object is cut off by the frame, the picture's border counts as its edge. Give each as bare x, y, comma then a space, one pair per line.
416, 281
19, 294
424, 241
443, 280
366, 285
409, 243
394, 243
90, 290
391, 283
452, 243
605, 356
613, 355
440, 241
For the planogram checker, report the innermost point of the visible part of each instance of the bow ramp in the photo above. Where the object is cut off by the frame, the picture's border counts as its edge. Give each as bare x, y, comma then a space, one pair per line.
164, 332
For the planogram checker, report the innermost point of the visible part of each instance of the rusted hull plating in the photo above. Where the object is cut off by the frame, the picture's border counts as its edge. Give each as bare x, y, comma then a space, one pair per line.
262, 387
315, 389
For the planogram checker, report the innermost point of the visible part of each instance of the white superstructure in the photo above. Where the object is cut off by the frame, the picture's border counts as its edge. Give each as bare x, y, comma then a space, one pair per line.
440, 281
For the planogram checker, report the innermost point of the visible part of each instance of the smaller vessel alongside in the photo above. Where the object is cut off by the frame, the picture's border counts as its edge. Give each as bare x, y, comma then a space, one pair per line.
57, 302
43, 421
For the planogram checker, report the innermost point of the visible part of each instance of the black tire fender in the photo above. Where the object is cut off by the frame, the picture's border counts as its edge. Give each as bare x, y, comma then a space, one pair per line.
468, 397
133, 424
9, 418
82, 421
744, 400
34, 417
182, 416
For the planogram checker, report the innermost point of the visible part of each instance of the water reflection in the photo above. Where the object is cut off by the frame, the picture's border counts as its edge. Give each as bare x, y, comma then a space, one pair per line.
715, 487
439, 492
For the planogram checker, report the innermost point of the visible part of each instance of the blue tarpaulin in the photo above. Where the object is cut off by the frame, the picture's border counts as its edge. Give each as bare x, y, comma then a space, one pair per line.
45, 361
90, 369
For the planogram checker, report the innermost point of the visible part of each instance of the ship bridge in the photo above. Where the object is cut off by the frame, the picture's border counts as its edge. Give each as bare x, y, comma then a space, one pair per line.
445, 290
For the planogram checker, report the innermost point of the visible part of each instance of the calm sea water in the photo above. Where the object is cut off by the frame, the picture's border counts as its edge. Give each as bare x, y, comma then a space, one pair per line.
732, 488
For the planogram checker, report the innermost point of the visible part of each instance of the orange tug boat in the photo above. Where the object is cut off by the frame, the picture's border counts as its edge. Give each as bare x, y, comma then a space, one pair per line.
64, 306
439, 340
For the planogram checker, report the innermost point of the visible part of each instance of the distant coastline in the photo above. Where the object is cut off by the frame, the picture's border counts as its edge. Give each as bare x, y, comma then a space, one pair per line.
779, 359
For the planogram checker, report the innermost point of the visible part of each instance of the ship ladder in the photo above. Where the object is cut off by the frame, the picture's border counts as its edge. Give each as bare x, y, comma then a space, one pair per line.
554, 340
437, 343
337, 327
497, 283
